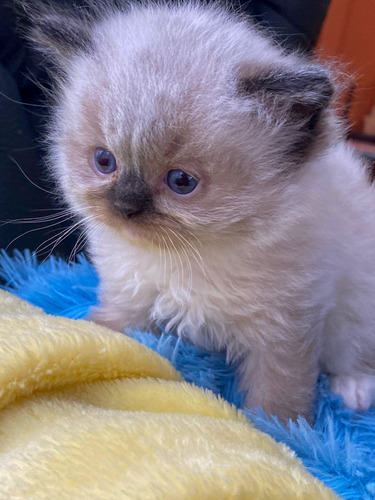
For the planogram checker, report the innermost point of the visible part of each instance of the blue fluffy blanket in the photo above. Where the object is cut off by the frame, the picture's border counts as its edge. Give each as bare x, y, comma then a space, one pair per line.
340, 447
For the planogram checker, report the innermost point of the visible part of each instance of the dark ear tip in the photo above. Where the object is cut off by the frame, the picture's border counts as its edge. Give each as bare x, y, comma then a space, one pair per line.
311, 84
320, 78
53, 29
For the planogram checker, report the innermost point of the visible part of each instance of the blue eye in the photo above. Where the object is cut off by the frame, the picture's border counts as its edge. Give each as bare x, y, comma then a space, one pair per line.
180, 182
104, 161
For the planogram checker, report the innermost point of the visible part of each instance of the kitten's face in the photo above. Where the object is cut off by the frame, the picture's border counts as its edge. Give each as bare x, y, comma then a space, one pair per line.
158, 168
174, 122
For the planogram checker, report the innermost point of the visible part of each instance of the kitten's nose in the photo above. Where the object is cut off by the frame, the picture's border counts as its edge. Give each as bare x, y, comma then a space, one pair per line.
128, 210
130, 196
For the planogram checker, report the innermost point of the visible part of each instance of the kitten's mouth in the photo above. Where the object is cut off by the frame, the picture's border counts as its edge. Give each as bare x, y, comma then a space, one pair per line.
141, 229
153, 233
146, 230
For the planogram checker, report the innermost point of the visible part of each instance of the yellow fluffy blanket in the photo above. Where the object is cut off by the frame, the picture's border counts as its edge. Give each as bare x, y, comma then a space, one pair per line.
87, 413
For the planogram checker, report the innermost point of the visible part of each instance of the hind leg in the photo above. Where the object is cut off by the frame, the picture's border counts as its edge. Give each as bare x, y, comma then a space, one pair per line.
348, 356
358, 391
348, 342
351, 370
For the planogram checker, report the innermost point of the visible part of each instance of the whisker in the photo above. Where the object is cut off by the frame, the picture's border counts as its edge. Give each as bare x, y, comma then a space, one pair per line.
160, 253
186, 229
32, 231
196, 255
23, 103
180, 275
48, 92
67, 214
47, 209
81, 240
190, 284
78, 245
56, 240
164, 261
28, 178
168, 251
19, 150
190, 268
193, 236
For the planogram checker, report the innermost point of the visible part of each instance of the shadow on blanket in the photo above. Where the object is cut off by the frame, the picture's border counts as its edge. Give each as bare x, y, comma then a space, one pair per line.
339, 449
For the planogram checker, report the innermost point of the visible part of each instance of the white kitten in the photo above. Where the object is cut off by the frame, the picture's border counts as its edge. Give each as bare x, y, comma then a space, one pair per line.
217, 194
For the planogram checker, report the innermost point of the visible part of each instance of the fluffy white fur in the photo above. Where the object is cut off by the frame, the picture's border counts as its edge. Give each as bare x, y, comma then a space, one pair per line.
272, 258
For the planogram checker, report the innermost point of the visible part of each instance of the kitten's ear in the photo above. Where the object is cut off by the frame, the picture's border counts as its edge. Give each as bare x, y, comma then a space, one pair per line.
299, 97
57, 32
310, 84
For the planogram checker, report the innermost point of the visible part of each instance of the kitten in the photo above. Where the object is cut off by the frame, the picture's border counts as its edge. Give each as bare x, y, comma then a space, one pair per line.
217, 193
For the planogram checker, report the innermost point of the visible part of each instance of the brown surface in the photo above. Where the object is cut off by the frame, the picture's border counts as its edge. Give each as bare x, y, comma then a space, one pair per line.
348, 34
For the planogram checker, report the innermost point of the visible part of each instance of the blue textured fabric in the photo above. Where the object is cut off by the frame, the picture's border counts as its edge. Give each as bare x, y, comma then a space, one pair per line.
339, 448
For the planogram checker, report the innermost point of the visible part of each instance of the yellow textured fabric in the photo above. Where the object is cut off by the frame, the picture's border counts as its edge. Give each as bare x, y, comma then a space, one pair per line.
87, 413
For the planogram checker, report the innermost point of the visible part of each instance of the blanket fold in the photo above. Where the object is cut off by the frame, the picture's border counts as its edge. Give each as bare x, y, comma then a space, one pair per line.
89, 413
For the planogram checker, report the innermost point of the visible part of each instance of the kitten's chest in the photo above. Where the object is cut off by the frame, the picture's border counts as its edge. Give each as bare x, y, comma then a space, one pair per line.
206, 296
204, 300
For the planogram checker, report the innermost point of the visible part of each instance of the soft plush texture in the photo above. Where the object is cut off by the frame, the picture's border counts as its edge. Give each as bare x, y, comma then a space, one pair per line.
338, 449
86, 412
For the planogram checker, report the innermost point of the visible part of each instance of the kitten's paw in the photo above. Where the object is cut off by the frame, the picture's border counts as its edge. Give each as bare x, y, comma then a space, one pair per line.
357, 391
